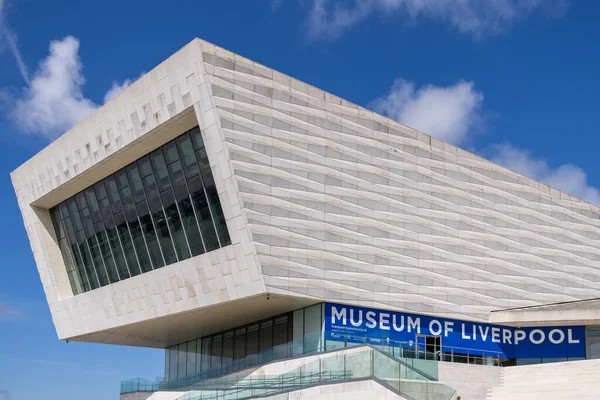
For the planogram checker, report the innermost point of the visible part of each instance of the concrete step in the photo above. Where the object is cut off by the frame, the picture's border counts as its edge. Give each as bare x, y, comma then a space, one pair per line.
558, 381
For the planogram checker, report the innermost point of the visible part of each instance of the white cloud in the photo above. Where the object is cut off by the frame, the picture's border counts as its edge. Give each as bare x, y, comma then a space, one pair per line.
53, 102
9, 38
328, 19
115, 89
567, 177
448, 113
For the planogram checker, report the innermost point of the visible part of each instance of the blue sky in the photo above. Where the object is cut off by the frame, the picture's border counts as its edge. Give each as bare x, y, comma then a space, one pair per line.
513, 80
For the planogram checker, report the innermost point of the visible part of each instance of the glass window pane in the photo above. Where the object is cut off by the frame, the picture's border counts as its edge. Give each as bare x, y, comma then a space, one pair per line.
121, 178
175, 225
100, 190
170, 152
167, 371
160, 170
239, 345
74, 249
80, 200
113, 194
163, 232
57, 223
206, 342
213, 197
81, 267
63, 210
176, 172
66, 252
203, 214
173, 362
312, 328
140, 246
181, 361
144, 166
280, 337
115, 245
216, 352
149, 234
252, 343
266, 340
188, 218
87, 259
136, 183
125, 239
188, 158
298, 332
197, 138
198, 356
106, 252
74, 215
92, 203
136, 232
74, 279
227, 349
191, 358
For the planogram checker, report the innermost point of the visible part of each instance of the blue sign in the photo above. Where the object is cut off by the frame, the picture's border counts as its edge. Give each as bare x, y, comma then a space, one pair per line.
357, 324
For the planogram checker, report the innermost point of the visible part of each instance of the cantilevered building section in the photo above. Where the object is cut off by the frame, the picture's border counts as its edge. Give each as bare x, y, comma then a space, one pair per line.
235, 216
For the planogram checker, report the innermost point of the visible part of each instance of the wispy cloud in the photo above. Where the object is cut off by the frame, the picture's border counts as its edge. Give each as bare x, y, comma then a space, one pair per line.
4, 394
453, 114
53, 101
329, 19
117, 88
449, 113
7, 311
9, 39
566, 177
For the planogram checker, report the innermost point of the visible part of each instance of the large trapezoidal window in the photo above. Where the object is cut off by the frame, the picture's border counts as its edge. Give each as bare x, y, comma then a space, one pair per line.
158, 210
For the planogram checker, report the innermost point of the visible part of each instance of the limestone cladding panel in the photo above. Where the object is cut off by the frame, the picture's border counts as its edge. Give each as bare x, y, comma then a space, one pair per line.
348, 206
154, 105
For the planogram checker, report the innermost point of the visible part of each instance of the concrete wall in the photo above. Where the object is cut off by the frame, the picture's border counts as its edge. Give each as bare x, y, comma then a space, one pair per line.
555, 381
348, 206
470, 381
341, 391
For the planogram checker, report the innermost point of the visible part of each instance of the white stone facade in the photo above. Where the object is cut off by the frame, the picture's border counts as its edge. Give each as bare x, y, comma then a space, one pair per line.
324, 201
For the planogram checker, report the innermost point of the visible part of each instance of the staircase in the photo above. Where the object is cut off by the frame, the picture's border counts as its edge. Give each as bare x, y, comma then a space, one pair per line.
555, 381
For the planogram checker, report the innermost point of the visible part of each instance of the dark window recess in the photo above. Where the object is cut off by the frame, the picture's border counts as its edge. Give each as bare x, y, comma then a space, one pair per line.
158, 210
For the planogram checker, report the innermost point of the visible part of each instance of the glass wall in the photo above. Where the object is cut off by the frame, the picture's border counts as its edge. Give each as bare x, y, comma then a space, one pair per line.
276, 338
158, 210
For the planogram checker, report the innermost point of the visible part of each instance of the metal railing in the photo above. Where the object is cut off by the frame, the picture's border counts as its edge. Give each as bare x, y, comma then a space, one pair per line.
412, 349
261, 358
364, 363
411, 354
408, 379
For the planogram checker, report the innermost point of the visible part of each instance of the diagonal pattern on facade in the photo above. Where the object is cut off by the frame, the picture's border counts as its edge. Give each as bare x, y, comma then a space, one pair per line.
349, 206
323, 199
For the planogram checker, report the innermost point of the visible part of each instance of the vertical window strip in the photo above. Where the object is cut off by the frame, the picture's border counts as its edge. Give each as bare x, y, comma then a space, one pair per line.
114, 241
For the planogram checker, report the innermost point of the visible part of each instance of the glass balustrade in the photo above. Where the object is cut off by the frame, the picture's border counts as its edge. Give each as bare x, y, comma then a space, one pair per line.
352, 364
